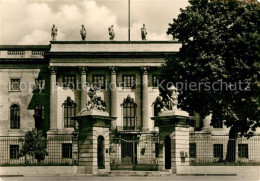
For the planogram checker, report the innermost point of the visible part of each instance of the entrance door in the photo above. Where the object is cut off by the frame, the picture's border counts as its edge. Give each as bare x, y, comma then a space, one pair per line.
129, 150
167, 145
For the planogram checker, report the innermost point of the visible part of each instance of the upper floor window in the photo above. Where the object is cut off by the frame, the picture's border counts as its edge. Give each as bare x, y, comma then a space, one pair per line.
99, 81
129, 113
155, 80
69, 112
15, 84
14, 150
39, 116
69, 81
39, 84
129, 81
15, 117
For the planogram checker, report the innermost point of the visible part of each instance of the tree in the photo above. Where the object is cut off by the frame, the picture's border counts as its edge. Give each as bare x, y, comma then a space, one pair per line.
35, 144
218, 63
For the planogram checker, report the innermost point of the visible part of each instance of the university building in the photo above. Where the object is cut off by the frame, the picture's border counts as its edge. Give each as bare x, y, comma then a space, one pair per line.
46, 87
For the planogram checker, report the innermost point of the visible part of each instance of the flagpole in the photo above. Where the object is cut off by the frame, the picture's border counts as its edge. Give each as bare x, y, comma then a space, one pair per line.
128, 20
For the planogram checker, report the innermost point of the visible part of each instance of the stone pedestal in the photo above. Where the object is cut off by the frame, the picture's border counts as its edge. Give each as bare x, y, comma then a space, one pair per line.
94, 128
174, 139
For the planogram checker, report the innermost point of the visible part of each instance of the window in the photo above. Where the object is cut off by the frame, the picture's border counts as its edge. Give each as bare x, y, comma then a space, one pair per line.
129, 81
218, 124
15, 117
39, 116
69, 81
242, 150
69, 112
99, 81
66, 150
218, 150
14, 150
193, 150
155, 79
15, 85
129, 107
39, 84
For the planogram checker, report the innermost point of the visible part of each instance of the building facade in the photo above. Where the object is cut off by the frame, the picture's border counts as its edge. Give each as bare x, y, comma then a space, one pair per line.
46, 86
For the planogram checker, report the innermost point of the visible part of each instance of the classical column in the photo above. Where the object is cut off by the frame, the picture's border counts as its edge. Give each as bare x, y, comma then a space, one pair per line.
113, 92
83, 79
53, 99
145, 97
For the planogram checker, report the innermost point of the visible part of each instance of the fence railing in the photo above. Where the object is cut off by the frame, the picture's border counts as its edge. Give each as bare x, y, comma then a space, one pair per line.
207, 149
62, 150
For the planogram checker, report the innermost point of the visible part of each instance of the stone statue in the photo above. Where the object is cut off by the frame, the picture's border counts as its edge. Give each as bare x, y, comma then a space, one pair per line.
172, 97
111, 33
95, 102
83, 32
54, 32
143, 32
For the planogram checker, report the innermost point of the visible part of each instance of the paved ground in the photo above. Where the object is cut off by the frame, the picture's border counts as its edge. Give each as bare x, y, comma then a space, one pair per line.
134, 178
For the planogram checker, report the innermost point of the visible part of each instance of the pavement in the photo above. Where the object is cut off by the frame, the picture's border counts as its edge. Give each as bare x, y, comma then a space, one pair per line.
130, 178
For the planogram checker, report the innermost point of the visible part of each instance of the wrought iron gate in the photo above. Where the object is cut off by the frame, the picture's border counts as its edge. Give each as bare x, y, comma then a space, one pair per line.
133, 152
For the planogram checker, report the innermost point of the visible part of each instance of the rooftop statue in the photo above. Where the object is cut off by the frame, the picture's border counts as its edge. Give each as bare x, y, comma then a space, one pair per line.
83, 32
111, 33
143, 32
54, 32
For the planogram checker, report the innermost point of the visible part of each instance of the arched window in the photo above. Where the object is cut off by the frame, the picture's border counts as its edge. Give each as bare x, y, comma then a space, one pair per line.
101, 158
39, 116
69, 112
129, 113
15, 117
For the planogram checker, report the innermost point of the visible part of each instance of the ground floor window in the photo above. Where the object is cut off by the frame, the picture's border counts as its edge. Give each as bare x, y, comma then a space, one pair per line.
193, 150
218, 150
14, 150
101, 158
66, 150
242, 150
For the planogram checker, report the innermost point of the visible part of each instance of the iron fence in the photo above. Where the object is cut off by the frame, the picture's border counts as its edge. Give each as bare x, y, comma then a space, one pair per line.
62, 150
208, 149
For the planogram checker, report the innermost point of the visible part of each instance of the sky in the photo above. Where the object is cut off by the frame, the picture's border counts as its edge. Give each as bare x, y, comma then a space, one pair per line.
24, 22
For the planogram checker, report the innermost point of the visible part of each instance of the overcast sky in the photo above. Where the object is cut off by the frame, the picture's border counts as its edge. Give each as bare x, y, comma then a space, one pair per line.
30, 21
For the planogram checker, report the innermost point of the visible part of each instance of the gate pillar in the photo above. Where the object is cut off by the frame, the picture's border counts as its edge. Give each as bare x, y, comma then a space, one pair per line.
177, 130
94, 142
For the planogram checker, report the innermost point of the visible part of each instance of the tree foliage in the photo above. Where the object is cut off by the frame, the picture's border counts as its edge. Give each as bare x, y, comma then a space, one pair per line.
220, 55
35, 144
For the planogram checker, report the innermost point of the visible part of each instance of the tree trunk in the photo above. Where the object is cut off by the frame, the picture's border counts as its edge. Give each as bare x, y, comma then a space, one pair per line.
231, 146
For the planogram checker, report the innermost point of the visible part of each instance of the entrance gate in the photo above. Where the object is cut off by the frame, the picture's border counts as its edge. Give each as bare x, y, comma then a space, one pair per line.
133, 152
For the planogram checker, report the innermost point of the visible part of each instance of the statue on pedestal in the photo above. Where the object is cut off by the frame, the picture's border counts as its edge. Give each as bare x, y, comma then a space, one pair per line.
95, 102
83, 32
111, 33
143, 32
54, 32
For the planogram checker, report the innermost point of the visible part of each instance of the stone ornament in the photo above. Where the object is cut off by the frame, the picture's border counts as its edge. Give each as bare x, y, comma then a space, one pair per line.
83, 32
54, 32
53, 70
83, 70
